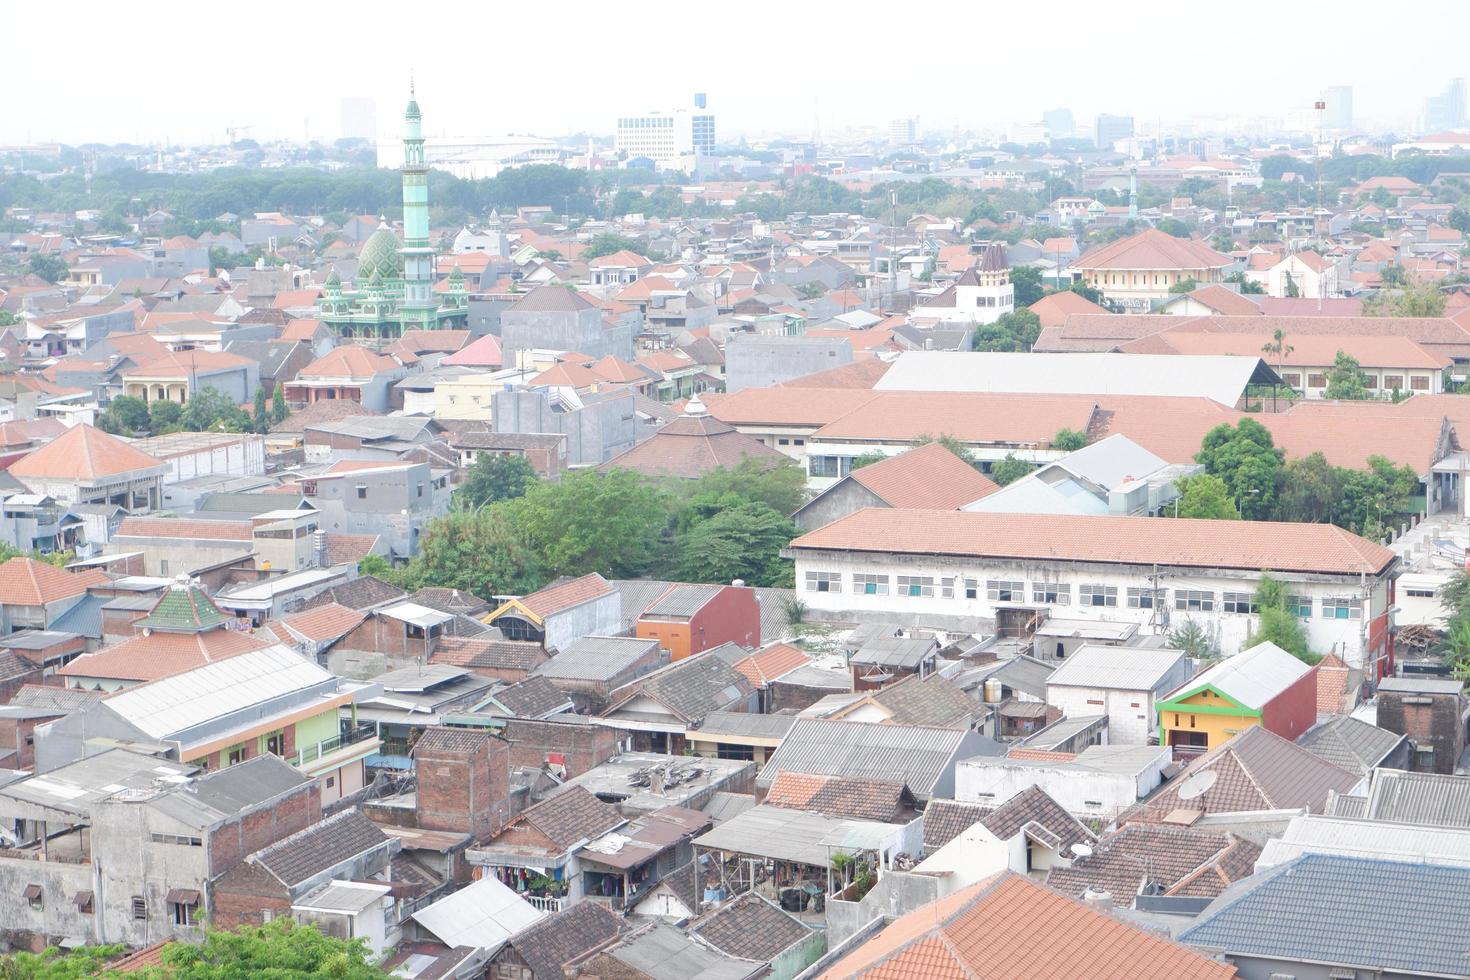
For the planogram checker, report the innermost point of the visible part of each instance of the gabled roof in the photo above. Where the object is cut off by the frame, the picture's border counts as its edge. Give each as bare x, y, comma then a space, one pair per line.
569, 935
1350, 743
1255, 770
932, 700
1006, 927
570, 816
1252, 545
1152, 249
183, 608
1174, 858
324, 623
928, 476
322, 846
85, 454
482, 352
27, 582
1116, 668
348, 361
919, 757
148, 657
689, 688
550, 299
557, 597
1251, 678
1402, 919
693, 445
848, 798
751, 928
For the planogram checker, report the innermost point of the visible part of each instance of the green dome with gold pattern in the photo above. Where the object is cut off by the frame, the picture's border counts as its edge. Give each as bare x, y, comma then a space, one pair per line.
380, 254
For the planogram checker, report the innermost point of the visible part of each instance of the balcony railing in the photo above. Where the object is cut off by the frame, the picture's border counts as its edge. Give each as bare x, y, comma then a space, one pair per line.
545, 903
313, 753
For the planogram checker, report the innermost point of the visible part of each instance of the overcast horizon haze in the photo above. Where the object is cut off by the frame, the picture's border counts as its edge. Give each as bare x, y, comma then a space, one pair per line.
773, 69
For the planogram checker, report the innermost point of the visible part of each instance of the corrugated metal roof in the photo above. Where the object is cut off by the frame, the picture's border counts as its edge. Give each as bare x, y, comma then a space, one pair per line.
1377, 915
595, 658
791, 835
1217, 376
683, 600
916, 756
1252, 677
1310, 834
1419, 798
483, 914
1116, 668
171, 707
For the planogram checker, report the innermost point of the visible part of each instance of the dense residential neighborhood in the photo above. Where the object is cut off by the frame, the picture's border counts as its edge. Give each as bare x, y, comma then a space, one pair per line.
672, 552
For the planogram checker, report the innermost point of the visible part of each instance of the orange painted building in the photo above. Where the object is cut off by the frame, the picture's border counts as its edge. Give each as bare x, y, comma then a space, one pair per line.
689, 619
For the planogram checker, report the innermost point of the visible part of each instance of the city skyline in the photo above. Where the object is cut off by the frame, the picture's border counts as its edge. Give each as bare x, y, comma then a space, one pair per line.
1114, 68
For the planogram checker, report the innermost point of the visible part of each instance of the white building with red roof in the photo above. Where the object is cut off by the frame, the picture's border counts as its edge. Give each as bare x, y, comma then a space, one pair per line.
87, 466
1136, 272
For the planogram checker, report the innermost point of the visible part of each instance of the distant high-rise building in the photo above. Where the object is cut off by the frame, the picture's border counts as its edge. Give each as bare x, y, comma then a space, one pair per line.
1059, 123
670, 139
1110, 129
1447, 109
1339, 111
904, 132
359, 119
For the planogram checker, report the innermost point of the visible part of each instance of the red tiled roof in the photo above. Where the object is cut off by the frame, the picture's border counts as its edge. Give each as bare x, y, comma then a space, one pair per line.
186, 364
182, 528
772, 663
482, 352
1153, 249
83, 453
301, 330
1250, 545
348, 361
564, 595
929, 477
27, 582
1006, 927
323, 623
1053, 309
159, 654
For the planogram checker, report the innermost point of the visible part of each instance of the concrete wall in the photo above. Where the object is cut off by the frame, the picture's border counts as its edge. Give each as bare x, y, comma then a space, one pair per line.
601, 429
602, 616
1430, 720
1131, 718
759, 362
1099, 795
842, 498
895, 894
579, 330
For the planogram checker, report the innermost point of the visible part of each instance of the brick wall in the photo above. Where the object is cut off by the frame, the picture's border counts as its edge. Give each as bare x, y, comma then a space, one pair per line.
464, 792
1430, 720
241, 896
582, 746
230, 843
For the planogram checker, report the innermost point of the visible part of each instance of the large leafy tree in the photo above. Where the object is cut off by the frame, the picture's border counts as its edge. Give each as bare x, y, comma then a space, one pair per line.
1206, 497
1310, 489
780, 487
1247, 460
1375, 498
611, 523
476, 551
1015, 331
1009, 470
1026, 280
494, 478
1347, 381
741, 542
128, 413
209, 409
1415, 297
1277, 623
280, 949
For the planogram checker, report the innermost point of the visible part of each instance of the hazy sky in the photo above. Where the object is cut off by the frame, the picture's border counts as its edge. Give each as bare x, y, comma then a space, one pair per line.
182, 71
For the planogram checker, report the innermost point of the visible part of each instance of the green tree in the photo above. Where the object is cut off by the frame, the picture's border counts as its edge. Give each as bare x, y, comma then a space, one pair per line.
1026, 280
781, 488
1069, 440
948, 442
130, 413
1375, 498
866, 459
476, 551
209, 408
375, 565
1277, 622
165, 416
1246, 458
261, 421
742, 542
611, 523
1454, 595
1009, 470
494, 478
1310, 490
811, 290
1293, 291
1459, 219
606, 244
8, 318
1205, 496
1347, 381
1174, 227
1414, 298
51, 268
1248, 287
279, 411
1014, 331
280, 949
1194, 640
1186, 285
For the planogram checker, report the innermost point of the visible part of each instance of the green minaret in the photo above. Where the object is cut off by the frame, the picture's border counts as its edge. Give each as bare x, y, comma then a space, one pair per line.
418, 307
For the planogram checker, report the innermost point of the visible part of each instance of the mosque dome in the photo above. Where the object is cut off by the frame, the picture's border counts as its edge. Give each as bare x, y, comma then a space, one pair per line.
380, 254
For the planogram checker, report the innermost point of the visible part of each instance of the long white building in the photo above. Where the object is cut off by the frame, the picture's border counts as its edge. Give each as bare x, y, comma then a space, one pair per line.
982, 571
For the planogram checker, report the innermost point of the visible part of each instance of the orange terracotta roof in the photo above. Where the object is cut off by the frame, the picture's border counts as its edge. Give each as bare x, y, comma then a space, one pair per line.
186, 364
482, 352
1152, 249
302, 330
772, 663
325, 623
859, 375
1252, 545
564, 595
566, 375
159, 654
288, 298
83, 453
968, 416
1054, 308
1223, 300
1308, 350
928, 477
182, 528
1007, 927
27, 582
348, 361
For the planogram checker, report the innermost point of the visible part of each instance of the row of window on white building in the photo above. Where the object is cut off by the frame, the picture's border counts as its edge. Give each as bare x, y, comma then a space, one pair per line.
1088, 594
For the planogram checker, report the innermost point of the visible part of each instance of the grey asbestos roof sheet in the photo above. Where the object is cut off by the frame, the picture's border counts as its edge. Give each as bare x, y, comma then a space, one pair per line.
1351, 912
918, 757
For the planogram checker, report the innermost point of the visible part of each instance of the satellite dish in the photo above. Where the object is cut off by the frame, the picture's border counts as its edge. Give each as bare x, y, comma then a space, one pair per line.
1197, 785
1081, 850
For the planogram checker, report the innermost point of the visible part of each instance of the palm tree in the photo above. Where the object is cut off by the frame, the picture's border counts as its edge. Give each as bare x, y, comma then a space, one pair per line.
1280, 348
